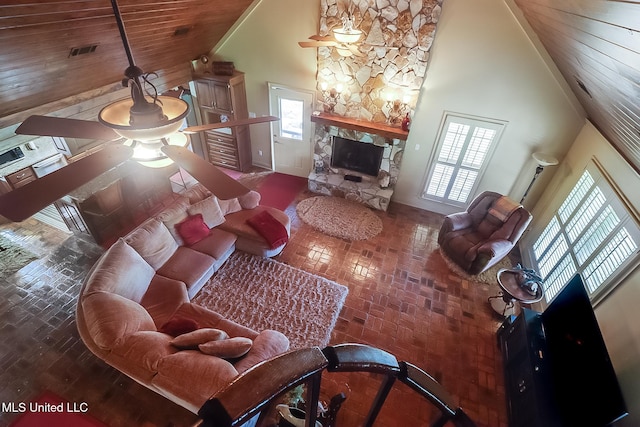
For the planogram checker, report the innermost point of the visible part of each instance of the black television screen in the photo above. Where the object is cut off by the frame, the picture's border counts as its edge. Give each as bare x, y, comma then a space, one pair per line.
585, 387
356, 156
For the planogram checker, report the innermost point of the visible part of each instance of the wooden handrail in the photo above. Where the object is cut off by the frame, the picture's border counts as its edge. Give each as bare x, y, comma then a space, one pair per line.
254, 390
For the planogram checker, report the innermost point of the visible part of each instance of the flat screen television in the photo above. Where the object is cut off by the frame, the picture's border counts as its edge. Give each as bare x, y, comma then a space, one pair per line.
356, 156
583, 382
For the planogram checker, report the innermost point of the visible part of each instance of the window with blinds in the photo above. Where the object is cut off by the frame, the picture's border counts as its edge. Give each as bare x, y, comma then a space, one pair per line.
592, 233
464, 146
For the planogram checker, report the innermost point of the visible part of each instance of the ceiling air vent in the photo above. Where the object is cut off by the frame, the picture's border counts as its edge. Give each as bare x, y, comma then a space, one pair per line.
181, 31
75, 51
582, 86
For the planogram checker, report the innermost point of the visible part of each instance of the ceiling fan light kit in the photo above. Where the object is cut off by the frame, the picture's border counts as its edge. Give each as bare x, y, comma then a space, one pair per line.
347, 35
146, 127
155, 122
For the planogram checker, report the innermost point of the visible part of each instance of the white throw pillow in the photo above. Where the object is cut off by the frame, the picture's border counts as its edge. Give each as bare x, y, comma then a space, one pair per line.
210, 210
192, 340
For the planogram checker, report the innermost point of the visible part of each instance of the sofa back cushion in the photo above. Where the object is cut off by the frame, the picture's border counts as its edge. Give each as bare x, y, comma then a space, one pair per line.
174, 214
196, 193
153, 242
210, 210
111, 318
122, 271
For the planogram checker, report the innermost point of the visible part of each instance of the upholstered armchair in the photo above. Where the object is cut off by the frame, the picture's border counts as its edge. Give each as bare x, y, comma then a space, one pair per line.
479, 237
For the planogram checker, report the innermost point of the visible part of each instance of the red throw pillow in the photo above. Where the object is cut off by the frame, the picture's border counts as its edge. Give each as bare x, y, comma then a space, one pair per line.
178, 326
192, 229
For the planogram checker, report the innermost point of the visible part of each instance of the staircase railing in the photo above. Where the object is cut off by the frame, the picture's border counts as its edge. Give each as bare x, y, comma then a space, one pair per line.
254, 391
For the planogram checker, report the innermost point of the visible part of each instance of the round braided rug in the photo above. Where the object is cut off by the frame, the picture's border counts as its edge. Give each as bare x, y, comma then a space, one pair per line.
339, 217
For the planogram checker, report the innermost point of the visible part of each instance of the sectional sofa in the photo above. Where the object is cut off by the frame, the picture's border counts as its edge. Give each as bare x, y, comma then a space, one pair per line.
141, 288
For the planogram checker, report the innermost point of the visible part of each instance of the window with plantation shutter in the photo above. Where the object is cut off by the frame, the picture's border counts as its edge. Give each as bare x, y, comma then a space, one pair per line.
464, 146
591, 233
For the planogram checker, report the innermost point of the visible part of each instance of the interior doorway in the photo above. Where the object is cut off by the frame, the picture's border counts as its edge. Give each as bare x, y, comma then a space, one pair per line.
291, 144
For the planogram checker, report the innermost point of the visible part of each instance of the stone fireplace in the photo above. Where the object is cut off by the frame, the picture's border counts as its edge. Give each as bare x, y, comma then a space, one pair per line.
373, 191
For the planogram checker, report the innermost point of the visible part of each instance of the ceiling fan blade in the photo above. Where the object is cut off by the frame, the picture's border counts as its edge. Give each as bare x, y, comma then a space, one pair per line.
315, 43
216, 181
323, 38
66, 128
25, 201
231, 123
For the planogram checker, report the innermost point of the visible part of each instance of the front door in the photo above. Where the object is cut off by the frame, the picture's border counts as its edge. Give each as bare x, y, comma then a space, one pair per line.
291, 139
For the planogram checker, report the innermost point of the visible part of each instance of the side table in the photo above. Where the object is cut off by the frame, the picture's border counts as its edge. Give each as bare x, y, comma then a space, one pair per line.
510, 292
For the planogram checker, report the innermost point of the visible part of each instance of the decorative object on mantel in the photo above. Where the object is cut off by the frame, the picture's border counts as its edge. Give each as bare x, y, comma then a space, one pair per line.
339, 217
543, 160
330, 96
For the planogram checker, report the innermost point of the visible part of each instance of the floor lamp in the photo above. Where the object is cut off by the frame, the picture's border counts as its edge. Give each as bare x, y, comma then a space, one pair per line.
543, 160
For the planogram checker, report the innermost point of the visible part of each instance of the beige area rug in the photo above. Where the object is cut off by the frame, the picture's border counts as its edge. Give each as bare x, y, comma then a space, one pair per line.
339, 217
262, 293
489, 277
13, 257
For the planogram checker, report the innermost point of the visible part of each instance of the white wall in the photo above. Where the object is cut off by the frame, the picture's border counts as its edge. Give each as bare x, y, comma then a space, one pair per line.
483, 64
618, 313
265, 47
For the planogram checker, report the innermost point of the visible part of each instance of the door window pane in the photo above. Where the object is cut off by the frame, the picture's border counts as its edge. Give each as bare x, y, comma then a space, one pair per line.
291, 118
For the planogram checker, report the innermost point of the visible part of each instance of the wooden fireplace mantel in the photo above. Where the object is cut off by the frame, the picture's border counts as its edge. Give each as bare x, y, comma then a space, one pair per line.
381, 129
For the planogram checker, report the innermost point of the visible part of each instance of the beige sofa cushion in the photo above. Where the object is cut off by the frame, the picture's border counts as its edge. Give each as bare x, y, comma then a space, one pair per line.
140, 353
230, 348
163, 297
174, 214
229, 206
153, 242
217, 244
189, 266
196, 193
210, 210
121, 271
266, 345
193, 376
110, 318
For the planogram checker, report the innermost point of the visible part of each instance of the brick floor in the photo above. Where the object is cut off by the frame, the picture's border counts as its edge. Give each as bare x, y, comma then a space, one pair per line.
402, 298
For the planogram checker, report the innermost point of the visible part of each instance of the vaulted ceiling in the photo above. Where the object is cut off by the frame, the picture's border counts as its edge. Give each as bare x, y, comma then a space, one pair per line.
596, 46
56, 49
594, 43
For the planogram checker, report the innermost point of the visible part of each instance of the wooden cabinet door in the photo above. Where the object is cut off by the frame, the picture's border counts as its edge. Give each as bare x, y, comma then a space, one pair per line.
205, 95
223, 101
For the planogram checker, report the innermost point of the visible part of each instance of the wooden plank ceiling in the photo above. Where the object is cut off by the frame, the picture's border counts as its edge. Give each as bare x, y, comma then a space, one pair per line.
38, 36
596, 46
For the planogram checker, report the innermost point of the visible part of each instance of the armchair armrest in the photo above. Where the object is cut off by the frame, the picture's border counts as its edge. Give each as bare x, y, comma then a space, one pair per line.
457, 221
496, 248
488, 254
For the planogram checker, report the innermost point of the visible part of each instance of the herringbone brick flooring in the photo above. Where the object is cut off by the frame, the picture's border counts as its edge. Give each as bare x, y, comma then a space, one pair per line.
402, 298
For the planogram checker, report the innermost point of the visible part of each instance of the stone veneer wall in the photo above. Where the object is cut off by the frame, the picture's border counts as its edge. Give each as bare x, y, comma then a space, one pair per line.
398, 35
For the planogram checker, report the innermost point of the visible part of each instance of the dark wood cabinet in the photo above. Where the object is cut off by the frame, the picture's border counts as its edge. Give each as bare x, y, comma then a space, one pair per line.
526, 369
221, 99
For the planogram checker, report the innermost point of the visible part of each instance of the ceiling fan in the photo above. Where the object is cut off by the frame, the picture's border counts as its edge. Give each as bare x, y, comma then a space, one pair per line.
145, 128
344, 39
